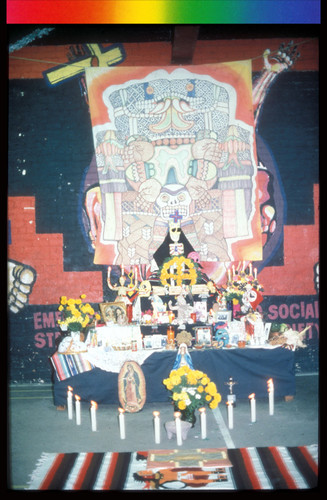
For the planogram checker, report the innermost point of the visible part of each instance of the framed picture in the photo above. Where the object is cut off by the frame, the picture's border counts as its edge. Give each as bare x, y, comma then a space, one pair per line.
203, 336
113, 313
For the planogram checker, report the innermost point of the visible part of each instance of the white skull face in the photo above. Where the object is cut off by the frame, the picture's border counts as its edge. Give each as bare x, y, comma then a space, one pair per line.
174, 231
145, 288
174, 199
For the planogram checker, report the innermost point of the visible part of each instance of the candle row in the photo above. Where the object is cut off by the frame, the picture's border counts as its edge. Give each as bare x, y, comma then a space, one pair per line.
253, 414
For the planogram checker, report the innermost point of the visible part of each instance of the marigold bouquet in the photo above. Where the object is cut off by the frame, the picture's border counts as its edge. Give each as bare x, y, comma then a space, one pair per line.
76, 314
191, 389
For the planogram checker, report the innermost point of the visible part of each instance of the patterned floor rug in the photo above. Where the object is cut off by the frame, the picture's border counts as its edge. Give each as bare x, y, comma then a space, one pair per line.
262, 468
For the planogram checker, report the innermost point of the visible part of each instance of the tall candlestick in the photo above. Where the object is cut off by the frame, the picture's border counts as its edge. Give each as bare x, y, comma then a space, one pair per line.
78, 409
178, 424
156, 426
203, 421
271, 396
93, 416
253, 407
70, 402
230, 415
121, 417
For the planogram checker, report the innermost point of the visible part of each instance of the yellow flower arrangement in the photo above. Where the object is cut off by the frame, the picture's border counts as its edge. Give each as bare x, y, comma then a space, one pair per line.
191, 389
76, 315
184, 269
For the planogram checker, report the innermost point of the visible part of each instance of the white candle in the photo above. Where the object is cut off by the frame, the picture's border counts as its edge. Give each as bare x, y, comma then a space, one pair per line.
271, 396
178, 423
121, 417
122, 270
233, 267
203, 421
253, 408
70, 402
255, 273
78, 409
93, 416
156, 426
250, 267
230, 415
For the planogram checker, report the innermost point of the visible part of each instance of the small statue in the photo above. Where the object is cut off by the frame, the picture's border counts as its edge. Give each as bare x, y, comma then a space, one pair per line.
183, 310
183, 358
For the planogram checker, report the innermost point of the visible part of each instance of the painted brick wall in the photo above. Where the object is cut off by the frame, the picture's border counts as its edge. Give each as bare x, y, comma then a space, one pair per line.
50, 150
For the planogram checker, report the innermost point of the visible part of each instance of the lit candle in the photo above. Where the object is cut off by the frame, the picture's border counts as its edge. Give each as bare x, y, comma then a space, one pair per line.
93, 416
203, 421
122, 423
228, 273
255, 273
156, 426
78, 409
253, 407
230, 415
178, 423
70, 402
271, 396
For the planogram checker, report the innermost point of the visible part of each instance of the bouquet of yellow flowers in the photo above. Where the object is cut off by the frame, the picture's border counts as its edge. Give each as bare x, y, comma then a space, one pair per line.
76, 314
191, 389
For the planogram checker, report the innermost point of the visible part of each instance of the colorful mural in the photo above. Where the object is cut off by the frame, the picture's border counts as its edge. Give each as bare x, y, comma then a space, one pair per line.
55, 202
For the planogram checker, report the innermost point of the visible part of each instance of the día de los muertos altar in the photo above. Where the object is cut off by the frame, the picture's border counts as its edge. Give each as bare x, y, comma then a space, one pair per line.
175, 142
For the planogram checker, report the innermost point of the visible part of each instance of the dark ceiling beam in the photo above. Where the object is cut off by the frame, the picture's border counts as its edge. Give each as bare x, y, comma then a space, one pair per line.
183, 43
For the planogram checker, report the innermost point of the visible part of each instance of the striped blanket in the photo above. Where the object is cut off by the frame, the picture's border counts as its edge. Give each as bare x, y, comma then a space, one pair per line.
265, 468
68, 365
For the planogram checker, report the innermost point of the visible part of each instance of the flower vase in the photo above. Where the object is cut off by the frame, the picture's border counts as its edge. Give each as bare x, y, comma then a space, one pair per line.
188, 416
76, 336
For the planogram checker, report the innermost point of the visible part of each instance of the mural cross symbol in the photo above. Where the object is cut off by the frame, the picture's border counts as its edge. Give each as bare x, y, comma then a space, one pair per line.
176, 216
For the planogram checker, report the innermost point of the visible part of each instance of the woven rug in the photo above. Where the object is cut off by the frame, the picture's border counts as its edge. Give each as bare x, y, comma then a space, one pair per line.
265, 468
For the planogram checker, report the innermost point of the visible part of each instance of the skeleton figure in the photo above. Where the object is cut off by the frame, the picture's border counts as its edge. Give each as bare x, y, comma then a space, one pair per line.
183, 310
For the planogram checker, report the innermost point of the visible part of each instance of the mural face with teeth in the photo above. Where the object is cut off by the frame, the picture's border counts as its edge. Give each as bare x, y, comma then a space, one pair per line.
174, 199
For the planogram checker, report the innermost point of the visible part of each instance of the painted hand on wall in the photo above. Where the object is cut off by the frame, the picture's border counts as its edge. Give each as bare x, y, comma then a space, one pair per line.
21, 279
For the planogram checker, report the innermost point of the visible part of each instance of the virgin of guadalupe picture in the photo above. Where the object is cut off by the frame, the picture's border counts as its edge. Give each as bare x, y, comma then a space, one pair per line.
131, 387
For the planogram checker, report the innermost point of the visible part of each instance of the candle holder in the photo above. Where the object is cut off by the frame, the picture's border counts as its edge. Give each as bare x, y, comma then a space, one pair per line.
231, 397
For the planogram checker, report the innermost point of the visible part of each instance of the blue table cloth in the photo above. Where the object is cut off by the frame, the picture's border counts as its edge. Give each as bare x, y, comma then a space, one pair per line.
250, 368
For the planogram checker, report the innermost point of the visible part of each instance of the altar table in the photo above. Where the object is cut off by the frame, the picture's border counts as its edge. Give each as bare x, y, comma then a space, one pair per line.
250, 368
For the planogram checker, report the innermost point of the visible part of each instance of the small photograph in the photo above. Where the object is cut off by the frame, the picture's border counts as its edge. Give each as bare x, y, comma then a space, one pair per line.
114, 313
203, 336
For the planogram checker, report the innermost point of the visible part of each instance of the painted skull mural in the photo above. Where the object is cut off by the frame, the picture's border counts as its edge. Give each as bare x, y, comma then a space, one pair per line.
174, 147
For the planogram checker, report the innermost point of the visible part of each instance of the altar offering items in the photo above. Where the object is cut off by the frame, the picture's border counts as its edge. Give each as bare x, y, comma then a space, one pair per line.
191, 389
243, 287
131, 387
93, 410
183, 358
121, 418
125, 293
156, 422
78, 409
114, 313
231, 397
270, 385
70, 402
76, 314
184, 337
203, 421
286, 337
177, 416
253, 407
